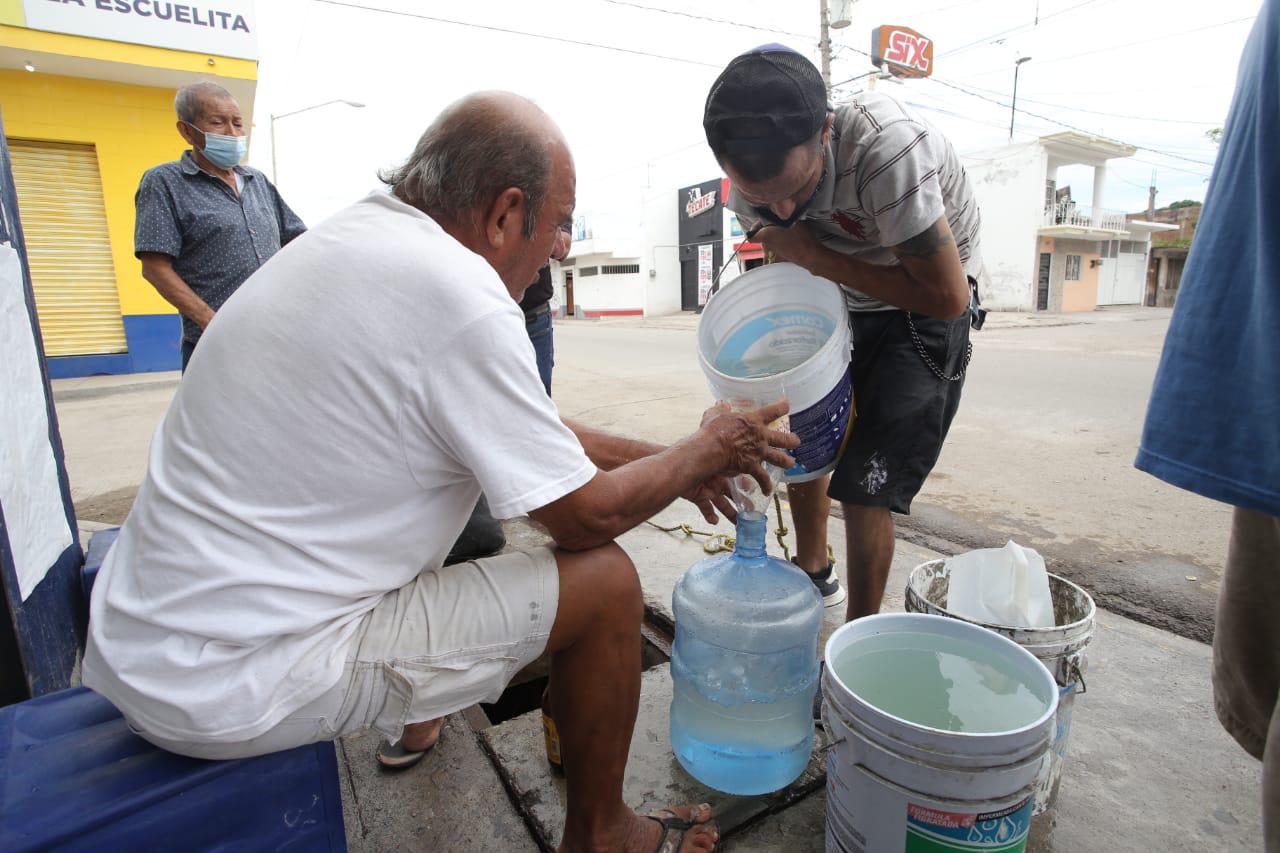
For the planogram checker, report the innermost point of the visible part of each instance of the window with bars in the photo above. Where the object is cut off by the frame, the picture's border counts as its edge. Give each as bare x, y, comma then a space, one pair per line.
1073, 268
586, 271
619, 269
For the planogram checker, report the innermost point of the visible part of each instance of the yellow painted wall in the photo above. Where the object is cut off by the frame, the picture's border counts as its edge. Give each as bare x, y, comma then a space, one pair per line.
132, 128
1082, 295
123, 52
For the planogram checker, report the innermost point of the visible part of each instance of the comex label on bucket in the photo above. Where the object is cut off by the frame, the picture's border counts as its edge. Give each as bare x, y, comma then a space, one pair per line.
930, 830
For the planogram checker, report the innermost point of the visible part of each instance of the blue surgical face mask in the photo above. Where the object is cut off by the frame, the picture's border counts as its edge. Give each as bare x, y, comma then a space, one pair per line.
223, 151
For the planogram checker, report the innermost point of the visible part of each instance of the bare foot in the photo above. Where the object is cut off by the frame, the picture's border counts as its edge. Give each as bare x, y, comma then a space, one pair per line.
642, 834
420, 736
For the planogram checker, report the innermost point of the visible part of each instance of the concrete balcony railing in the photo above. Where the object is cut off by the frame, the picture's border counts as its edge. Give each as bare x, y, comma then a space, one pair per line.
1072, 215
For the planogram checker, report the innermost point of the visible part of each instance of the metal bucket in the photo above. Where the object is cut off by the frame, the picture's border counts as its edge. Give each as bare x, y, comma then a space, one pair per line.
1060, 648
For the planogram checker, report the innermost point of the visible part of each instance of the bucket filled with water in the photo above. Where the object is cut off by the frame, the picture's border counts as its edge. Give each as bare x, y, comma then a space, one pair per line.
940, 731
777, 331
1061, 648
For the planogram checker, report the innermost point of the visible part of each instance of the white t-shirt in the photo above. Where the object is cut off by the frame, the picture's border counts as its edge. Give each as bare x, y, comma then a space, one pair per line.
335, 429
890, 175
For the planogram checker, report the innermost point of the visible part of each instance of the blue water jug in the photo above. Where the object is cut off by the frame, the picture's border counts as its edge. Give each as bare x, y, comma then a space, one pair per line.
744, 667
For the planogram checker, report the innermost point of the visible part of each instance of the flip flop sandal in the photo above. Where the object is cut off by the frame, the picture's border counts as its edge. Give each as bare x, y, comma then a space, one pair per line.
673, 823
396, 757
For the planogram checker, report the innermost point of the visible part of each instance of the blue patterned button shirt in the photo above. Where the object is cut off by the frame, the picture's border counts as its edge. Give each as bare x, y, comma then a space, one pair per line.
216, 239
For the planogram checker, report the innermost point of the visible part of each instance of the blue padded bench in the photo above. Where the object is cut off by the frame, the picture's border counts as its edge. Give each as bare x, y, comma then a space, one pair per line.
99, 543
74, 777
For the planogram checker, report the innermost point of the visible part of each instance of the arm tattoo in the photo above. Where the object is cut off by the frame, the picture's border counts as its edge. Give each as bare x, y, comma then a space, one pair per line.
925, 243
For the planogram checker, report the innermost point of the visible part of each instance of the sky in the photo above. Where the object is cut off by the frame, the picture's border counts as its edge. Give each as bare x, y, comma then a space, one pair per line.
626, 81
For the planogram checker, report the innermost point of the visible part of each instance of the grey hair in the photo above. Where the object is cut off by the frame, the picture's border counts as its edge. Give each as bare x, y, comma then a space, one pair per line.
190, 98
474, 150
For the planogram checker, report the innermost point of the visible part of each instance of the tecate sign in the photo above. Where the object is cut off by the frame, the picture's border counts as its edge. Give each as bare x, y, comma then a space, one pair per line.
698, 203
905, 51
218, 27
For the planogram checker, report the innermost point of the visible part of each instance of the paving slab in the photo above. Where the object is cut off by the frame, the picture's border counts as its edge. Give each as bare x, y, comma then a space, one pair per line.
654, 778
452, 800
800, 828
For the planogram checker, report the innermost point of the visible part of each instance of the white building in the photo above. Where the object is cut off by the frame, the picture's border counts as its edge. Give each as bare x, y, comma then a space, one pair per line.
644, 269
1042, 250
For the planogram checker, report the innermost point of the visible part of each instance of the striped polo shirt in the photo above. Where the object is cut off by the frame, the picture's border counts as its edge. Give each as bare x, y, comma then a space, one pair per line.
890, 175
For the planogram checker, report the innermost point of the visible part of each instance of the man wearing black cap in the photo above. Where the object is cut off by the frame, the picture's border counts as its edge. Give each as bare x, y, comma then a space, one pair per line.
868, 196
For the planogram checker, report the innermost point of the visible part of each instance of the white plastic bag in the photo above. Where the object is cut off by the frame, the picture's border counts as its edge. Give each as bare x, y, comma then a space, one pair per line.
1001, 586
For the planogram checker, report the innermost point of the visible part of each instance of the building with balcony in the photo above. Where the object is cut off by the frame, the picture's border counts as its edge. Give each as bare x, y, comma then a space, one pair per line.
1043, 250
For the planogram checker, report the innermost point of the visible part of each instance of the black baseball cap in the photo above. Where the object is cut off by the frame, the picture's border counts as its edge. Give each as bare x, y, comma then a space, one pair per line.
768, 99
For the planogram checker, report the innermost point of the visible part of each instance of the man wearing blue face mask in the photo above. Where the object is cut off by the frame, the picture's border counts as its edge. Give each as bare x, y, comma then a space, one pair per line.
204, 222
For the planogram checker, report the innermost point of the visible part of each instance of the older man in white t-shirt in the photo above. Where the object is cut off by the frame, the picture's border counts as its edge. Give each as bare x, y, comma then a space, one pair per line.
279, 580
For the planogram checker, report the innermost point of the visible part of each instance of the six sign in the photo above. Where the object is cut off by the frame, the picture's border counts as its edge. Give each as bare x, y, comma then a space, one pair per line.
906, 52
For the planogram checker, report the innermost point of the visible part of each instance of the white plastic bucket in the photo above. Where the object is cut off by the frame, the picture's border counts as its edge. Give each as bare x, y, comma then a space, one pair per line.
894, 785
783, 311
1060, 648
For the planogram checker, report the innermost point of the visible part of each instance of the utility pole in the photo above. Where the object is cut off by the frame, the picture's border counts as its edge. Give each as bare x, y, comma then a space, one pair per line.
1013, 108
824, 43
1151, 198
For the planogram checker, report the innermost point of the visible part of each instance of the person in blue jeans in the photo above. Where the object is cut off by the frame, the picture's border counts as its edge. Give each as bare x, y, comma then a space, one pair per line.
1213, 425
536, 306
483, 536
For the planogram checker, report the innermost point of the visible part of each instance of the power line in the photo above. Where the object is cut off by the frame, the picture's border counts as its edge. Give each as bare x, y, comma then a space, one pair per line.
1096, 112
709, 19
1112, 173
1076, 56
946, 8
1167, 166
1061, 123
1011, 30
633, 52
964, 117
490, 28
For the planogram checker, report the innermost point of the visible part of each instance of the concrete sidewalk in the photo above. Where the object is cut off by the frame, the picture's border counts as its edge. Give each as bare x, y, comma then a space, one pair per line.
996, 320
91, 387
1149, 768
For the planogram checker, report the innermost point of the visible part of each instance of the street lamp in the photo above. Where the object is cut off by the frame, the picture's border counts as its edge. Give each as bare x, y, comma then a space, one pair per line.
356, 104
1013, 108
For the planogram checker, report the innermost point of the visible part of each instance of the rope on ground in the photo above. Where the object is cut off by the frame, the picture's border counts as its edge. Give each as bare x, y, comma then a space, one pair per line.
719, 543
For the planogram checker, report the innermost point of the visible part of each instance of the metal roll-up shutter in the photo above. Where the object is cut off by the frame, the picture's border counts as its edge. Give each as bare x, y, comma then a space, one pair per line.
64, 221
